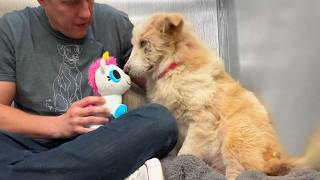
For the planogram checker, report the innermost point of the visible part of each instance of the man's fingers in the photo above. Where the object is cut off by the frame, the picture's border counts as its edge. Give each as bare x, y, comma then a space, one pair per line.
93, 120
90, 100
82, 130
94, 111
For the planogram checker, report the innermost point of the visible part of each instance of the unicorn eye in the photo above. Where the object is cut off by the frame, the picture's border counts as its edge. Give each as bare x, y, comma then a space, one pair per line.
114, 76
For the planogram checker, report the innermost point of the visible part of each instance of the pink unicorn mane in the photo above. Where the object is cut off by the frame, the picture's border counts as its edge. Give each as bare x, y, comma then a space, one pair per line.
92, 72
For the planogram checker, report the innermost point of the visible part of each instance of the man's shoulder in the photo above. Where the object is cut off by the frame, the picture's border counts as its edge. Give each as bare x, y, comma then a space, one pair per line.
111, 20
108, 12
18, 18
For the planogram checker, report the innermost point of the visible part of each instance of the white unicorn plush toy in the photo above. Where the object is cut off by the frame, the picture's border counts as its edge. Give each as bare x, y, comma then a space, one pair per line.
109, 81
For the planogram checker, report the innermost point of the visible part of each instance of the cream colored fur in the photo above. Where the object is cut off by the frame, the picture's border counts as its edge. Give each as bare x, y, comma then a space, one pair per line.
219, 121
134, 97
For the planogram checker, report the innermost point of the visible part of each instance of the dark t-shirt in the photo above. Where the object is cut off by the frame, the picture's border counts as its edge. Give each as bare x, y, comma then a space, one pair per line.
50, 70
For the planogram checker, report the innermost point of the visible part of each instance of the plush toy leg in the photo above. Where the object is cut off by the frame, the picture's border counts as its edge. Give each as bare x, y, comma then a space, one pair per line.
121, 109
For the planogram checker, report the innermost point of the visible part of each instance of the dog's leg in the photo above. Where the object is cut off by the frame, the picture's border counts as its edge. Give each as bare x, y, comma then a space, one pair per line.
233, 168
188, 146
242, 148
199, 140
231, 161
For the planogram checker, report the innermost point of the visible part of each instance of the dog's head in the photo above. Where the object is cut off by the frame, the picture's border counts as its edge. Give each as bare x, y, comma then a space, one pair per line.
153, 42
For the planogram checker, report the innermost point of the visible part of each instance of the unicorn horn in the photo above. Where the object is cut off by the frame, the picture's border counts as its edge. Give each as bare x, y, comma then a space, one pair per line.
106, 56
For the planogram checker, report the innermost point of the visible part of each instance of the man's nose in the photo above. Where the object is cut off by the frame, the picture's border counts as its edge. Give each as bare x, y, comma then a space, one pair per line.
85, 11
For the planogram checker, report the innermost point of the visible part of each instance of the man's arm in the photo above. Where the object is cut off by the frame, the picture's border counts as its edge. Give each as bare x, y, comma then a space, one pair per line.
14, 120
72, 123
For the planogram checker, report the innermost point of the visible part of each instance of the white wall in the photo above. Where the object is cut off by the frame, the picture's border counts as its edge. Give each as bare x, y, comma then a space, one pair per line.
9, 5
279, 59
202, 13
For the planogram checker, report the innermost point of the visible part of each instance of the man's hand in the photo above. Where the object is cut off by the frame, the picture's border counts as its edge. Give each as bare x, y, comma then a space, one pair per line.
80, 115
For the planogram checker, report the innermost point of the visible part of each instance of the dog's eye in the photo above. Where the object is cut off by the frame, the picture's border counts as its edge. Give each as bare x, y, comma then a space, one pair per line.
143, 43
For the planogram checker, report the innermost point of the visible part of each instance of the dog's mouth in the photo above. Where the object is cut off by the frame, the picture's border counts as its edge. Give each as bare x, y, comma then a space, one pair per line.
150, 68
128, 82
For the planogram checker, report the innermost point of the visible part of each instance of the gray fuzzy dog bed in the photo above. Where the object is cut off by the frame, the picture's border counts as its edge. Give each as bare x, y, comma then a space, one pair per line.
187, 167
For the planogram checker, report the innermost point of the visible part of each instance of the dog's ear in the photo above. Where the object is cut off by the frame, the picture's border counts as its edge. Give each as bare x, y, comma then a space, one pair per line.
172, 24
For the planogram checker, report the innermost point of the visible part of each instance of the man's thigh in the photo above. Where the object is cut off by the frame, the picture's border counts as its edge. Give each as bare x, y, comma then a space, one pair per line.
14, 148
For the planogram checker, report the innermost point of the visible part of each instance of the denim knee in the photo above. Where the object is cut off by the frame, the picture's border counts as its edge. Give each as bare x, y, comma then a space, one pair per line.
161, 114
166, 125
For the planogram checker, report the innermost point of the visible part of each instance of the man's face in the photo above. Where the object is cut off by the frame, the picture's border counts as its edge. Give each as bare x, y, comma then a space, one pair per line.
70, 17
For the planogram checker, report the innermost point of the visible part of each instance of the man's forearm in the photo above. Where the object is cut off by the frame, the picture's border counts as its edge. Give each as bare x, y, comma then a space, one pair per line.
17, 121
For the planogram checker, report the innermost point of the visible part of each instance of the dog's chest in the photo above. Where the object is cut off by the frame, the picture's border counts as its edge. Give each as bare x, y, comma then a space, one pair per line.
182, 92
175, 100
165, 94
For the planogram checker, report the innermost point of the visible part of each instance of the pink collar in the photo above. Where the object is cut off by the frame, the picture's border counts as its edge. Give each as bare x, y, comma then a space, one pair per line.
172, 66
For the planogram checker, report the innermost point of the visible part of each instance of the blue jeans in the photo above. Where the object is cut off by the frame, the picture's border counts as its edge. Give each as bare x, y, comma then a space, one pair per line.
111, 152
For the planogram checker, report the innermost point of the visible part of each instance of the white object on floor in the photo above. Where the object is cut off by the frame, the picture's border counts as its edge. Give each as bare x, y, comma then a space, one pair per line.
151, 170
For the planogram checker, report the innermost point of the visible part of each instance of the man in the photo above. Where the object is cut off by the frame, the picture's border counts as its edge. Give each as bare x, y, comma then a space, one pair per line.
44, 56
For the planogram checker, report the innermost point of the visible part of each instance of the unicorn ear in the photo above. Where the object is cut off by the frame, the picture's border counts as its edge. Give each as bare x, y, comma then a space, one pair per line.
102, 65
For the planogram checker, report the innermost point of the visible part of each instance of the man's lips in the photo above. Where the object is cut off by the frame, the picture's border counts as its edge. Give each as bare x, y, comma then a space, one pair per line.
82, 25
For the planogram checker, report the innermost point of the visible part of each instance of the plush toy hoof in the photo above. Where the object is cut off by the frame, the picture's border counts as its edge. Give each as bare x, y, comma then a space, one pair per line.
120, 110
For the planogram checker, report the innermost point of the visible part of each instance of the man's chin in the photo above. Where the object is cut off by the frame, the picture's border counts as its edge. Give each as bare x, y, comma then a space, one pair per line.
77, 35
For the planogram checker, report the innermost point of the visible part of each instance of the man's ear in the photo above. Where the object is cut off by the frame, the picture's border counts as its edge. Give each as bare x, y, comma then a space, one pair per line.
172, 24
42, 2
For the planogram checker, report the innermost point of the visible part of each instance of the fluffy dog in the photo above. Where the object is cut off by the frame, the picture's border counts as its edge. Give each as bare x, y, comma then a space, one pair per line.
219, 121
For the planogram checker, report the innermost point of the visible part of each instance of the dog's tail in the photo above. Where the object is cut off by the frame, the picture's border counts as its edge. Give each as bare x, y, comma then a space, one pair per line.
311, 157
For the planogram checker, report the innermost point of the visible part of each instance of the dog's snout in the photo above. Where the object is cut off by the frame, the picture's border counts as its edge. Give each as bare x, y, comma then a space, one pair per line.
126, 69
